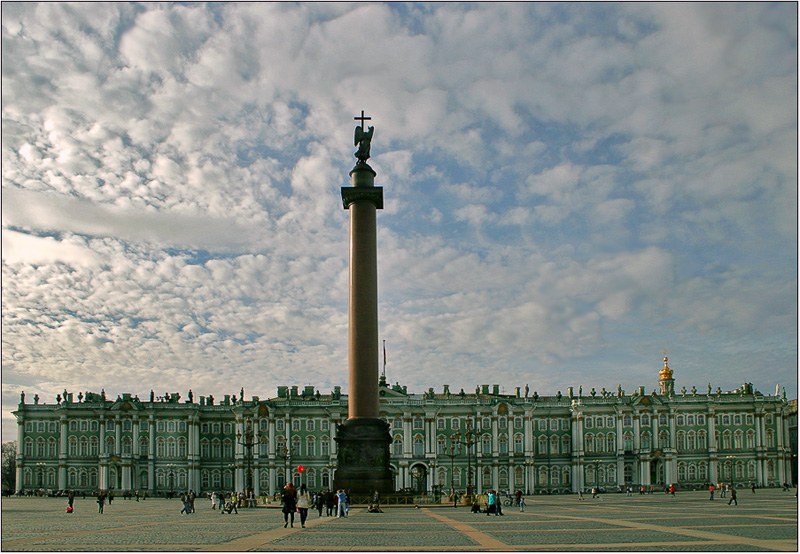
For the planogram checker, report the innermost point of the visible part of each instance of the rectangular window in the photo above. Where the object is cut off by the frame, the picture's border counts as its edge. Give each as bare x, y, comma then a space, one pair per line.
441, 424
588, 423
541, 424
160, 426
324, 425
279, 426
517, 423
418, 424
310, 425
455, 423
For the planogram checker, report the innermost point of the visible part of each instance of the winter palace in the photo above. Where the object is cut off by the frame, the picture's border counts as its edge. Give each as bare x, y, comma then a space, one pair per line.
480, 439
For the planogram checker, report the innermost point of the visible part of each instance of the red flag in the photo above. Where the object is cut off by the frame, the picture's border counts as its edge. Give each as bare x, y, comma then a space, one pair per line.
300, 469
384, 353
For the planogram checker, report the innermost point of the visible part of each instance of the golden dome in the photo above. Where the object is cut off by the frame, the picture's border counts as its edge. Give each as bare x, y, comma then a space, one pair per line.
665, 373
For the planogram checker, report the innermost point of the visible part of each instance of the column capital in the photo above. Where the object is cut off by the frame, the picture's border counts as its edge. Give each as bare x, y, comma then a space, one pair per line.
351, 195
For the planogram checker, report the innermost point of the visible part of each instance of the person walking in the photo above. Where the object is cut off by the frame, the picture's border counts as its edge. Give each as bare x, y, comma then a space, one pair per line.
303, 503
377, 499
711, 490
733, 497
289, 501
319, 502
521, 502
330, 502
185, 502
71, 501
341, 509
213, 496
752, 487
101, 502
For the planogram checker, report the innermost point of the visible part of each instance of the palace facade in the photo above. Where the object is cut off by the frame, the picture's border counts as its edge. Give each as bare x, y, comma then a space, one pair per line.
441, 440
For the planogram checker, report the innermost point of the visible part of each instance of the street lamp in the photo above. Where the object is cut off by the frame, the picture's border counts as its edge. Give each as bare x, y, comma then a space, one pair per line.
731, 464
452, 452
286, 455
41, 466
171, 474
248, 440
468, 440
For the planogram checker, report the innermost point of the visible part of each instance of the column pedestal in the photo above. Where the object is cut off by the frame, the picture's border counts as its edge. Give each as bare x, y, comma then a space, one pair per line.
363, 456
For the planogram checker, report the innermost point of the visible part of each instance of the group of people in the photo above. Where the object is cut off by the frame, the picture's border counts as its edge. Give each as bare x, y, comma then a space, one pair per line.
300, 501
231, 502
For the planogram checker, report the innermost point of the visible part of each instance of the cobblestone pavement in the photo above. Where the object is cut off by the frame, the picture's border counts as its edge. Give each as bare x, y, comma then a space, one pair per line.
765, 521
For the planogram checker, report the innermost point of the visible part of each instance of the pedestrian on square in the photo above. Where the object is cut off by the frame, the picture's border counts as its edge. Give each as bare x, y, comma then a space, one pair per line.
330, 503
319, 502
672, 490
521, 503
289, 501
341, 503
185, 502
722, 490
733, 497
213, 496
752, 487
711, 490
377, 499
101, 502
346, 503
303, 503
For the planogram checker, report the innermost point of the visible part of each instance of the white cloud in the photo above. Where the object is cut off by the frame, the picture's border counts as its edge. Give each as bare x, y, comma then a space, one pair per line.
567, 187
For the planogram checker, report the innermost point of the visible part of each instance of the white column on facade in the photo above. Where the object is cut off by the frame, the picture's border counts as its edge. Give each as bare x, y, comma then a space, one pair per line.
151, 455
637, 439
256, 460
62, 456
20, 460
407, 435
118, 436
620, 449
494, 435
332, 426
135, 445
781, 466
655, 443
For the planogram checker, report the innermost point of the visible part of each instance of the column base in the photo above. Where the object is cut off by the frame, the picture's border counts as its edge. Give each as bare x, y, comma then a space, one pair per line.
363, 457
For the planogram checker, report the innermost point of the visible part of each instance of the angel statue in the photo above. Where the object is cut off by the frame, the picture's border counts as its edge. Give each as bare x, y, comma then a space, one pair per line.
363, 140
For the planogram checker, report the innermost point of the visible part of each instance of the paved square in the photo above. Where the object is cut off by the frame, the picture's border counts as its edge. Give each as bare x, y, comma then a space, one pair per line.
765, 521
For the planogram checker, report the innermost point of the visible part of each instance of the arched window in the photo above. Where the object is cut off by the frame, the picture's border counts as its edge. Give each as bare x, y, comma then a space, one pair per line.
160, 452
144, 446
600, 442
681, 438
565, 444
751, 439
441, 444
486, 445
73, 447
662, 419
737, 440
645, 441
519, 478
419, 446
566, 476
487, 478
397, 423
726, 440
590, 475
555, 475
702, 471
502, 478
627, 441
701, 440
692, 472
126, 446
681, 472
311, 447
397, 445
216, 448
610, 443
542, 445
502, 446
325, 447
645, 420
227, 448
589, 443
663, 439
52, 447
518, 444
40, 447
770, 443
601, 475
691, 441
554, 445
627, 421
171, 448
181, 447
542, 476
612, 474
751, 469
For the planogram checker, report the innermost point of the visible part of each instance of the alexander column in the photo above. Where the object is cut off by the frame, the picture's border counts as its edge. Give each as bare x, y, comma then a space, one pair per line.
363, 440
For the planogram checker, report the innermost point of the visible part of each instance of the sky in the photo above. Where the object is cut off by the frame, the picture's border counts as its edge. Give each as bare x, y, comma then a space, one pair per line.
570, 190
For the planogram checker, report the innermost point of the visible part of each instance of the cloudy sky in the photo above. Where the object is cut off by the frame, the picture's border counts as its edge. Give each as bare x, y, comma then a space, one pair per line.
570, 189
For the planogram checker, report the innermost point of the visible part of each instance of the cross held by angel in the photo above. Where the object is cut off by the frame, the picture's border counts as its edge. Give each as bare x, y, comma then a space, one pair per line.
363, 138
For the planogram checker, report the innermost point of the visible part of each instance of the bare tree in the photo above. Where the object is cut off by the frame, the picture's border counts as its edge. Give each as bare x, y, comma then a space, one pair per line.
9, 467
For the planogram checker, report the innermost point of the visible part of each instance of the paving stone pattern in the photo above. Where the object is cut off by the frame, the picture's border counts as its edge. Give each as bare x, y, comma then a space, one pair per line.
765, 521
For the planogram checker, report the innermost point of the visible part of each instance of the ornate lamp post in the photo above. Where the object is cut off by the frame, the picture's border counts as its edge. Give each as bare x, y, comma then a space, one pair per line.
41, 466
286, 455
453, 451
248, 440
468, 440
171, 475
731, 465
